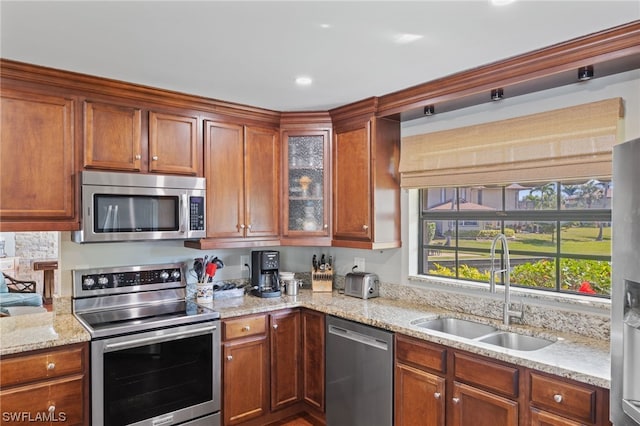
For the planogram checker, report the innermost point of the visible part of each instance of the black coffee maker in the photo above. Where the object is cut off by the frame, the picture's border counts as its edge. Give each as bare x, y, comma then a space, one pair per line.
264, 273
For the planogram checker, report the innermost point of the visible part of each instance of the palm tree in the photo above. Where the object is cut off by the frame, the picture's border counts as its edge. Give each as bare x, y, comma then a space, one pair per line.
593, 191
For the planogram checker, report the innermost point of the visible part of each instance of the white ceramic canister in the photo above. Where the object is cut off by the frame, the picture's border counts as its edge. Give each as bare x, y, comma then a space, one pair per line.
204, 293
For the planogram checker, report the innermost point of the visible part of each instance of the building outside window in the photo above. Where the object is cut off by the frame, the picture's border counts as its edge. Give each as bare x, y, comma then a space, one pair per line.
559, 234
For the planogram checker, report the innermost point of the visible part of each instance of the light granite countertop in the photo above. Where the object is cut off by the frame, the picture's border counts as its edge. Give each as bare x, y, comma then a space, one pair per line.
572, 356
29, 332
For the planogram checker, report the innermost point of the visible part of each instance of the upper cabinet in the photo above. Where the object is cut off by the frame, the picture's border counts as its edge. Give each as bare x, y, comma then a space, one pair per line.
37, 161
115, 138
366, 183
306, 179
243, 178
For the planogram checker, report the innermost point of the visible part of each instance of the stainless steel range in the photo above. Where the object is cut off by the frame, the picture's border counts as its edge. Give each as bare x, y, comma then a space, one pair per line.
155, 356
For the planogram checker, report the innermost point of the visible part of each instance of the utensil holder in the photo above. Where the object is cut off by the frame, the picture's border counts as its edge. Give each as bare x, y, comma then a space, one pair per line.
322, 281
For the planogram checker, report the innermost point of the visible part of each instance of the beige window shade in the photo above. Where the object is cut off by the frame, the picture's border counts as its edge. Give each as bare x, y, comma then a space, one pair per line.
574, 142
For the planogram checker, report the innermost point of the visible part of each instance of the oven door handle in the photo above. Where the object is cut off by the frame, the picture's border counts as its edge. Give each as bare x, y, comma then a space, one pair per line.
157, 339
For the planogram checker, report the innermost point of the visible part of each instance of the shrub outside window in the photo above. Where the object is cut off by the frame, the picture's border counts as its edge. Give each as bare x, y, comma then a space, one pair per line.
559, 234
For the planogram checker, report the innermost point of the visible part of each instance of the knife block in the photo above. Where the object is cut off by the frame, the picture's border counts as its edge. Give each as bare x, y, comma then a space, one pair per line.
322, 281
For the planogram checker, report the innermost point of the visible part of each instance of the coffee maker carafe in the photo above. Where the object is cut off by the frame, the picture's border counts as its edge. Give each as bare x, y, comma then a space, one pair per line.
264, 273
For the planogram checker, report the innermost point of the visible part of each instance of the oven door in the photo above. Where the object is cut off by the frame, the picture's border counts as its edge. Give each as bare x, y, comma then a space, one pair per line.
160, 377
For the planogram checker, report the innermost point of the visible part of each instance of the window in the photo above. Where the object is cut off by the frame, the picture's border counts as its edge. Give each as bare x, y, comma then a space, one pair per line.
559, 234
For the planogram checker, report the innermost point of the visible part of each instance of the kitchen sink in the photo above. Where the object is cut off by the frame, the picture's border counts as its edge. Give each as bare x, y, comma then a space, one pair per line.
519, 342
457, 327
484, 333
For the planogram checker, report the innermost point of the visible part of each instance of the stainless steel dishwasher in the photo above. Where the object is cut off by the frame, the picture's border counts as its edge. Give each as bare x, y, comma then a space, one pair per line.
359, 374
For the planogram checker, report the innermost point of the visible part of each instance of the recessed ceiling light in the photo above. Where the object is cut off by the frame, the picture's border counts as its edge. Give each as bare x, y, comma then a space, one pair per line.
304, 81
407, 38
501, 2
325, 26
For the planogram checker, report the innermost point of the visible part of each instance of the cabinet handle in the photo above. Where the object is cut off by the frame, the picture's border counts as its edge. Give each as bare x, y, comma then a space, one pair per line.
557, 398
229, 357
51, 366
51, 408
275, 326
154, 158
455, 400
249, 226
138, 156
246, 328
365, 227
436, 395
242, 226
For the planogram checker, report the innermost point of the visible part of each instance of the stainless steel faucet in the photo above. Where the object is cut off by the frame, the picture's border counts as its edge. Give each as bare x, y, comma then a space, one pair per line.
507, 313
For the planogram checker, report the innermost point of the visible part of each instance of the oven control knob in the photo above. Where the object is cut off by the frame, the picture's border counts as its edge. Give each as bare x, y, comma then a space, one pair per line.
103, 281
164, 275
175, 274
88, 282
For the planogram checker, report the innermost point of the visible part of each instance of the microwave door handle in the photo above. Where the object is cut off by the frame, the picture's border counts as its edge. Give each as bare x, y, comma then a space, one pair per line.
184, 211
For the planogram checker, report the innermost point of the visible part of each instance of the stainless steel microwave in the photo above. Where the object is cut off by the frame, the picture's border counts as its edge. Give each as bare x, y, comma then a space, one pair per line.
139, 207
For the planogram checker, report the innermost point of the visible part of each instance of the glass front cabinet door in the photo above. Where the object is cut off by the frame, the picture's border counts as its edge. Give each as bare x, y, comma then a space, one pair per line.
307, 210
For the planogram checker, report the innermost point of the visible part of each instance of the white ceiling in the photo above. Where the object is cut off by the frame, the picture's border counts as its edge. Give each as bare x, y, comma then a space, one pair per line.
250, 52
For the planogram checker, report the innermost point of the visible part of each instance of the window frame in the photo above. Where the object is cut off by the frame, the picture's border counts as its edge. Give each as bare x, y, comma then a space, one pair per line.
558, 216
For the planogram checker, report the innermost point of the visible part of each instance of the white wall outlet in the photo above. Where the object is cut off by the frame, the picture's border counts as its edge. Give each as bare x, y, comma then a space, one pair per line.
359, 263
245, 260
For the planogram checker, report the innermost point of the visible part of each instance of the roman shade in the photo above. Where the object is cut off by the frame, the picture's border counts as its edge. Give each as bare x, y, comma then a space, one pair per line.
568, 143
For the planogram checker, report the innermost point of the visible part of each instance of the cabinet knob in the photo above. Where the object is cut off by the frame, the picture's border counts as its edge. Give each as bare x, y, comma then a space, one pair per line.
557, 398
326, 226
275, 326
51, 366
455, 400
436, 395
154, 158
365, 227
249, 226
138, 156
246, 328
242, 226
229, 357
52, 408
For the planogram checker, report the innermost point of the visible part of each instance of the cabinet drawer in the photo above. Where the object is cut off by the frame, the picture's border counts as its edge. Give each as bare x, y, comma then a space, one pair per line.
244, 327
560, 397
421, 354
486, 374
42, 365
58, 401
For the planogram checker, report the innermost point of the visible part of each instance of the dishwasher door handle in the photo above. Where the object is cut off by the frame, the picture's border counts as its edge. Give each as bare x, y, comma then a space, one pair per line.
358, 337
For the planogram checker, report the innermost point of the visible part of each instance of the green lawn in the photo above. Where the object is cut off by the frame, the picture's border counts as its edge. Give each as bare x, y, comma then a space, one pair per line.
575, 240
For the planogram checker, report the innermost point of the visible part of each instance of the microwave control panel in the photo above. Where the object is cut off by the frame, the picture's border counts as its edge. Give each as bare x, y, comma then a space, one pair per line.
196, 213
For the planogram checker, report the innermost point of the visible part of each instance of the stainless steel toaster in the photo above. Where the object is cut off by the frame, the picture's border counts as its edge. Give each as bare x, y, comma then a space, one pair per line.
364, 285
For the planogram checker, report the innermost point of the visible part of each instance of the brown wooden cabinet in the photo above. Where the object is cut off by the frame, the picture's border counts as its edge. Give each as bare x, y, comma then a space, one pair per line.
114, 140
420, 391
306, 176
245, 371
554, 400
313, 345
474, 406
263, 376
286, 374
242, 168
47, 386
437, 385
366, 182
37, 161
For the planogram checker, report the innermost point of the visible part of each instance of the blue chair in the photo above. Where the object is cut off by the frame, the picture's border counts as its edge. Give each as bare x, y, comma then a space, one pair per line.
15, 292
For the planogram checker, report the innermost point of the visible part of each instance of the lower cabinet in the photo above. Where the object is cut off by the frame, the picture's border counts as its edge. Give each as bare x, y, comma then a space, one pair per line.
47, 386
437, 385
273, 367
245, 371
